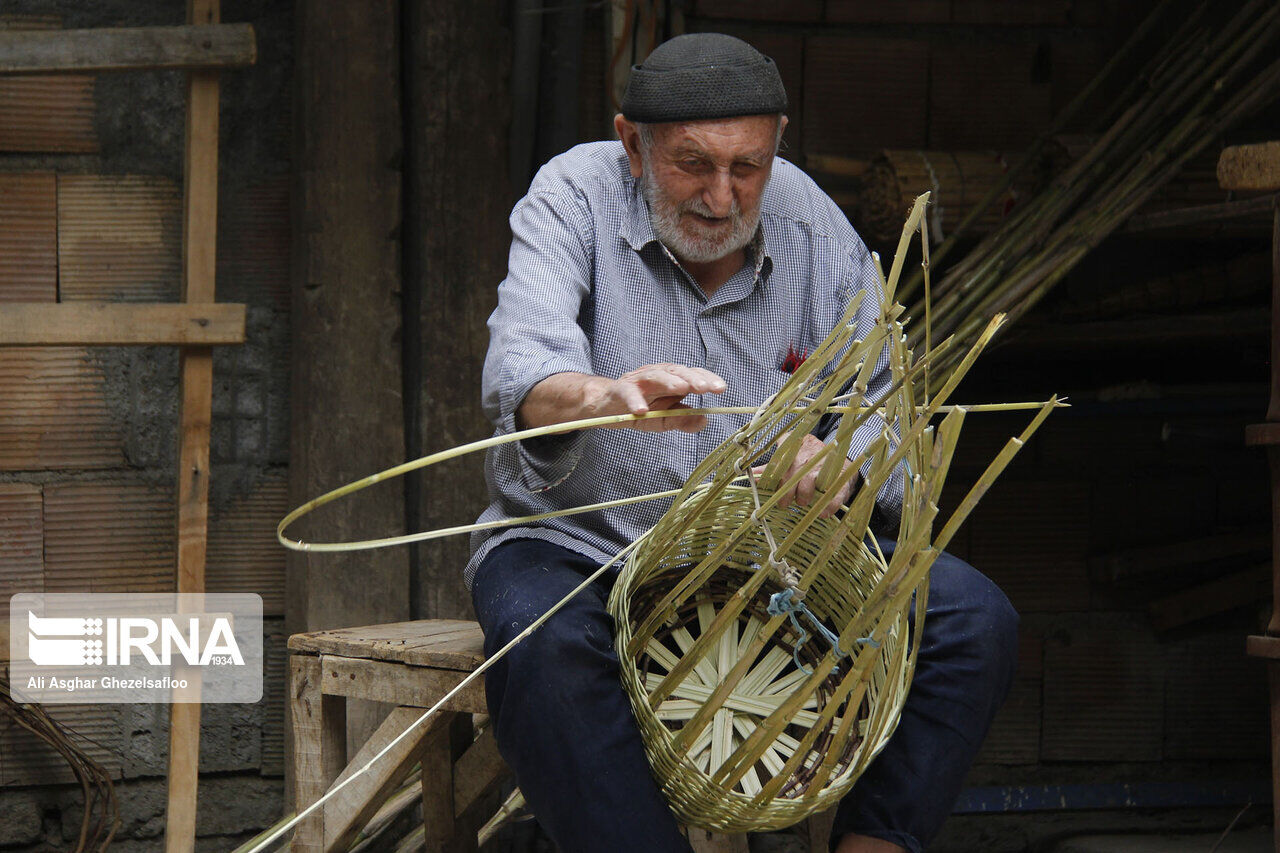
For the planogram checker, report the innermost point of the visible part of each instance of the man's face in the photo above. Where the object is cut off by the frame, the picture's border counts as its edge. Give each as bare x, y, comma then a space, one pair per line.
703, 181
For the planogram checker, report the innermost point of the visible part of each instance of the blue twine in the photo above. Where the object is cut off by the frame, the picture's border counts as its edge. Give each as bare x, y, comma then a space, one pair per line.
785, 602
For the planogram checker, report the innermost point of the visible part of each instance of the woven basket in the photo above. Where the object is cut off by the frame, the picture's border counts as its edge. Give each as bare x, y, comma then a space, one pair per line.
697, 777
765, 649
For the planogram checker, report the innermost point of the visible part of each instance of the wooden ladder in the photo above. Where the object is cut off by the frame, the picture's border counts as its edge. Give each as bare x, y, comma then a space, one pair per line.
196, 324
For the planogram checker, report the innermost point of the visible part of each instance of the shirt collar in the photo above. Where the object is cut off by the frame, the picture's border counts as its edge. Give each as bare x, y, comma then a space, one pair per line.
637, 230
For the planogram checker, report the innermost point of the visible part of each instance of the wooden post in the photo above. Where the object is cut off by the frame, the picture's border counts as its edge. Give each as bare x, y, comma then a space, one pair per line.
456, 159
199, 250
317, 743
347, 413
1257, 167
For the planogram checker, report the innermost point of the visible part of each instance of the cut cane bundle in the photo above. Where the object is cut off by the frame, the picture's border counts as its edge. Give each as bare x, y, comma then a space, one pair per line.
767, 650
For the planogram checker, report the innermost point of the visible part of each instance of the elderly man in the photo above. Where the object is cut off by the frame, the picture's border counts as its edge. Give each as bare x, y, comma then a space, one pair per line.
684, 265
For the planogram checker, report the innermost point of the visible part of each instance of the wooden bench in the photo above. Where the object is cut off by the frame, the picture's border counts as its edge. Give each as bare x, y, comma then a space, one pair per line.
411, 665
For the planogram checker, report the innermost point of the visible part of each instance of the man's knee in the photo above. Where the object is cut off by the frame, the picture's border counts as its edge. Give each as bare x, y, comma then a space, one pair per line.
977, 613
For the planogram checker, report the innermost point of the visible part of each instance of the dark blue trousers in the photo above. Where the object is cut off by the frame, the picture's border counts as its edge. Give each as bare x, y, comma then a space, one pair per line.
564, 724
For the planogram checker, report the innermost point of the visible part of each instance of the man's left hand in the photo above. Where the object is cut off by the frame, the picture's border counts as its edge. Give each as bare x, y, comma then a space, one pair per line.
806, 490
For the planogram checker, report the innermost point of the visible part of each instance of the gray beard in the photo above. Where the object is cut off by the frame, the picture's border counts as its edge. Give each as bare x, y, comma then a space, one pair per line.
697, 248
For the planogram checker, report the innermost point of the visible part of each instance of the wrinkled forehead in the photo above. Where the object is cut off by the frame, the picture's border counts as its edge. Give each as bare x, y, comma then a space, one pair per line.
722, 138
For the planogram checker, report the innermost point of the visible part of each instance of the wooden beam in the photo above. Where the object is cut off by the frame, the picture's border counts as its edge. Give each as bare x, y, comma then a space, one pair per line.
451, 152
126, 49
120, 324
1134, 562
347, 315
1259, 646
195, 413
1207, 599
1232, 325
1200, 215
1250, 167
317, 748
477, 772
347, 813
399, 683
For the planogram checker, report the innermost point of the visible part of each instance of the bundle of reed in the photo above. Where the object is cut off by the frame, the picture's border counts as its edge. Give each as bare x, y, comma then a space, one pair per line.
101, 817
956, 180
766, 649
1216, 69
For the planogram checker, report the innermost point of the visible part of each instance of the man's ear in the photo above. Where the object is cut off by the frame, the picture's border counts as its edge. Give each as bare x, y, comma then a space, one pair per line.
630, 137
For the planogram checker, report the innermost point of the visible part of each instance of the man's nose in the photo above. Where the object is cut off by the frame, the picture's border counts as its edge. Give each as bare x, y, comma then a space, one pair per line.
719, 194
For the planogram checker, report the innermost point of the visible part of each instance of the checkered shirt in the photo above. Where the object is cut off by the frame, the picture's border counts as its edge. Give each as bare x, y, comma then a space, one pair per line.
590, 289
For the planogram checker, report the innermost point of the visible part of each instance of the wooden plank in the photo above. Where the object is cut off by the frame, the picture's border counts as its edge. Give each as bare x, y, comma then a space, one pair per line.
706, 841
1262, 435
437, 792
1104, 334
1273, 678
441, 643
1250, 167
817, 830
1132, 562
1263, 647
1199, 214
127, 49
1273, 408
1238, 589
119, 238
116, 324
477, 772
346, 814
399, 684
346, 238
199, 249
28, 236
317, 747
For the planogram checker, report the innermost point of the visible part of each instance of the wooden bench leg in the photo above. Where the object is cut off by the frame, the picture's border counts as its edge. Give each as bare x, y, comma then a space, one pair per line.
704, 841
818, 828
347, 813
319, 746
440, 830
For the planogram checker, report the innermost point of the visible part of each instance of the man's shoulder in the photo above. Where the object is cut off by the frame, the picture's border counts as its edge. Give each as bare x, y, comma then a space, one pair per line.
793, 198
589, 170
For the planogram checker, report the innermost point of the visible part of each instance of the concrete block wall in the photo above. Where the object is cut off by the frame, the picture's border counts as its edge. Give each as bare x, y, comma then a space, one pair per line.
92, 166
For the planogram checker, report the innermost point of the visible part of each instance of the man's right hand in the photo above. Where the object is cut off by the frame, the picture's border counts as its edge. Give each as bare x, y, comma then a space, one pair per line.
653, 387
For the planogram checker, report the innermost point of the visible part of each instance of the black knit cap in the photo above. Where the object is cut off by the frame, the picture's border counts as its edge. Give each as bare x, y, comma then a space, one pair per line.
701, 76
